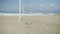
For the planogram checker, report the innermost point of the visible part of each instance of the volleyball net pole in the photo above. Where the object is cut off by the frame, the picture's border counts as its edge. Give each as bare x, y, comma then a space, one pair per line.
19, 10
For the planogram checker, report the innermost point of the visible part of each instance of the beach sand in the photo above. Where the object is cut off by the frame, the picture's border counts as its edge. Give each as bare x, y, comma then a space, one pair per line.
9, 25
42, 24
30, 25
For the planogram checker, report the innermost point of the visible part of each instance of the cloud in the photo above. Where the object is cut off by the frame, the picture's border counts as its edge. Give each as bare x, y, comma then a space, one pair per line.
40, 5
52, 4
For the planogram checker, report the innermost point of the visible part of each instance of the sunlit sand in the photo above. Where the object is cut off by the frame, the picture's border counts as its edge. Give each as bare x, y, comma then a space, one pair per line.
9, 25
42, 24
30, 25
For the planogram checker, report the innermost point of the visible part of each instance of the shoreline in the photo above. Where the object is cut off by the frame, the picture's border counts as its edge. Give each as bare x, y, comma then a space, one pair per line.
32, 14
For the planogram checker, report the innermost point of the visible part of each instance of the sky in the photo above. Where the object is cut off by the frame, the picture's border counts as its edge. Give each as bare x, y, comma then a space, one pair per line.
35, 6
9, 6
44, 6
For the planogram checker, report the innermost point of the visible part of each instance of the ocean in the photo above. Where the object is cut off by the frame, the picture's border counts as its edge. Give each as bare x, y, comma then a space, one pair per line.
32, 14
27, 14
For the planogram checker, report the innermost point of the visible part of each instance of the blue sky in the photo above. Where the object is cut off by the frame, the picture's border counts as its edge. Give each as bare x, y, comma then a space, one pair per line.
9, 6
41, 5
30, 6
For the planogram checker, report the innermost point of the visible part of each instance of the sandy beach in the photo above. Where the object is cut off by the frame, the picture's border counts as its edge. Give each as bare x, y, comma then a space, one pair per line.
9, 25
43, 24
30, 25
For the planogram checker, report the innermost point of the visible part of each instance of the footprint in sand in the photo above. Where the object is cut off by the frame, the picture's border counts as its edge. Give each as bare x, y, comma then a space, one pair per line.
27, 23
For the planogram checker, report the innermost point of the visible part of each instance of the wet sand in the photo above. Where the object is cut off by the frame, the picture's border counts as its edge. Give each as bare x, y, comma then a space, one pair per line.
30, 25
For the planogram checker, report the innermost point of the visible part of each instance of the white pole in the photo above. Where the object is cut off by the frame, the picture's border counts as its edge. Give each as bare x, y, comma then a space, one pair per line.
23, 8
19, 10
